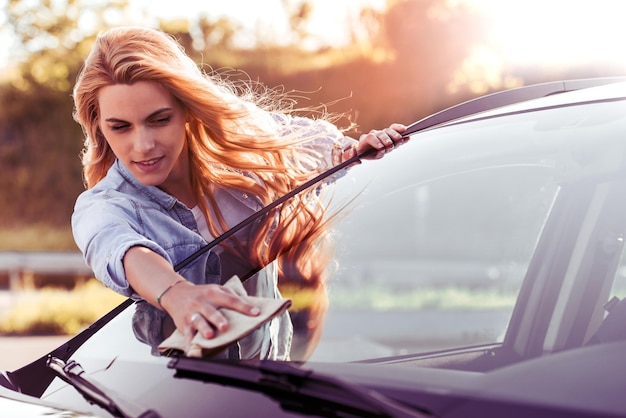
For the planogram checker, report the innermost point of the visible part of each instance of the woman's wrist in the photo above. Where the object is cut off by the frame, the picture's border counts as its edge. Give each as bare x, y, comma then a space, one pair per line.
167, 289
344, 149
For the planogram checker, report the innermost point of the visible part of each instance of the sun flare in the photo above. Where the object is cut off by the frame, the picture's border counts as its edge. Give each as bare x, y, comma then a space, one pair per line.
563, 32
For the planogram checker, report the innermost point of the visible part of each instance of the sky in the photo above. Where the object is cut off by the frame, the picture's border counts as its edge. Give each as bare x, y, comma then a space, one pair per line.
528, 32
557, 31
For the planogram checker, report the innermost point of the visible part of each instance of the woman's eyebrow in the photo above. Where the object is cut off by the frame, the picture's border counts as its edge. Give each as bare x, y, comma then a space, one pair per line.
114, 120
156, 112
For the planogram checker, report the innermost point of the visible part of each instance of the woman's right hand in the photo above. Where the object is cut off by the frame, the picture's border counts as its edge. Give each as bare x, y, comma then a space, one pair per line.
195, 308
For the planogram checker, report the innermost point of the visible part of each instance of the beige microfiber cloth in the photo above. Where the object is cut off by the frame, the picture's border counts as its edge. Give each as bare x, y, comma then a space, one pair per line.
240, 325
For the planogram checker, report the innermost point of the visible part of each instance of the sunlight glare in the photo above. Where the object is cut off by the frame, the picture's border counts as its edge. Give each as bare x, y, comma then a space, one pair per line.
328, 20
561, 32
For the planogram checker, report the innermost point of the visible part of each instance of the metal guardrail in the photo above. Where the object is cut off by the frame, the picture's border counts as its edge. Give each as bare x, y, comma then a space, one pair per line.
22, 266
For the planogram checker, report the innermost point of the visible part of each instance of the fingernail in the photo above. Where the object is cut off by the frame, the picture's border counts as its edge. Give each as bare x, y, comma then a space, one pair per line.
255, 311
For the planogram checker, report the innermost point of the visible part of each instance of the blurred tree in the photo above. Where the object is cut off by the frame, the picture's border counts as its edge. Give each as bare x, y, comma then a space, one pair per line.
38, 157
431, 39
406, 58
220, 33
39, 142
299, 13
55, 36
395, 69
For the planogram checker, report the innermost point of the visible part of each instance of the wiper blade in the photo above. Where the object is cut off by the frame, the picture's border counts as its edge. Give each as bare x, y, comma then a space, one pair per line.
266, 209
296, 389
73, 374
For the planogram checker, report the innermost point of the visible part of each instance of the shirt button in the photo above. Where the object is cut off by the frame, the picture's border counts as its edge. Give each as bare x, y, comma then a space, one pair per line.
244, 195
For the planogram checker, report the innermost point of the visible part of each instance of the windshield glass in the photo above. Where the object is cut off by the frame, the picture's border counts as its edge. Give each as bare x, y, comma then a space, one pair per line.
433, 241
435, 248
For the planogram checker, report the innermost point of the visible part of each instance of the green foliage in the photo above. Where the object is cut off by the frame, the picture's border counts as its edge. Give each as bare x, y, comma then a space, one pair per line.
301, 298
59, 312
39, 157
40, 143
399, 71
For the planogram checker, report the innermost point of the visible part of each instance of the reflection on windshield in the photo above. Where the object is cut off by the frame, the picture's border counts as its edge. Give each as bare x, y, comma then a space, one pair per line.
294, 333
247, 336
437, 246
437, 239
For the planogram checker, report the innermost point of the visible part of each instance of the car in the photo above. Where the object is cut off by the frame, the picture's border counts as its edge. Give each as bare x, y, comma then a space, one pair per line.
480, 272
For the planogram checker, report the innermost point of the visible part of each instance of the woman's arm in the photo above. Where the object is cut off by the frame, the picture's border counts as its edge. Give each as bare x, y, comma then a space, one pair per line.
192, 307
330, 142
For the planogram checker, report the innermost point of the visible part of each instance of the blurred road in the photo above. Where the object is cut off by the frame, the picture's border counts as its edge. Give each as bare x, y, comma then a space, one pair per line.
16, 352
437, 329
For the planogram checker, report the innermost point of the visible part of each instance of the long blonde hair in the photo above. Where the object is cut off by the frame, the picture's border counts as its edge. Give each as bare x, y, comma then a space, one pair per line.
233, 141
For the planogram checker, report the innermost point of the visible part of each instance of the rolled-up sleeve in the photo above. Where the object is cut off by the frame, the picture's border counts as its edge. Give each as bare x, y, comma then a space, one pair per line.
105, 228
319, 135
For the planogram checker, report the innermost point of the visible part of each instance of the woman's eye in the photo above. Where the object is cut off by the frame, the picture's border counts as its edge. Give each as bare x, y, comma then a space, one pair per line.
118, 127
163, 120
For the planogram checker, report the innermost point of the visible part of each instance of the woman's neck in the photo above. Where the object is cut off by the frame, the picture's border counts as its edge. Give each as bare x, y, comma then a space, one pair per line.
184, 194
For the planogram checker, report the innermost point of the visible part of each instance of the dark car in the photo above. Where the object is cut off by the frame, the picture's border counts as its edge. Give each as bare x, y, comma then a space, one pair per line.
480, 272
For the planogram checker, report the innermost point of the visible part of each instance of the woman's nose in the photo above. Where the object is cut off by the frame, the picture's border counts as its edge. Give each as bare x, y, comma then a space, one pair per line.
144, 141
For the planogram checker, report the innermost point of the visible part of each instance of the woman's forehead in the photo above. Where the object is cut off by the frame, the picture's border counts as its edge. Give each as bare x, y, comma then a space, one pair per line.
139, 99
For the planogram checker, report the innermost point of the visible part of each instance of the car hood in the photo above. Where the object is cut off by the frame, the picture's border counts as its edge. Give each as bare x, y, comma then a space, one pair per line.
14, 404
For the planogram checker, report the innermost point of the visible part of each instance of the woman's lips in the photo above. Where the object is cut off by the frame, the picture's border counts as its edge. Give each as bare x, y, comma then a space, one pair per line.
149, 166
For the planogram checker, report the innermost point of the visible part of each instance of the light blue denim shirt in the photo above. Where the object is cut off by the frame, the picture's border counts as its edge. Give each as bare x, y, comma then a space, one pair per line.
119, 213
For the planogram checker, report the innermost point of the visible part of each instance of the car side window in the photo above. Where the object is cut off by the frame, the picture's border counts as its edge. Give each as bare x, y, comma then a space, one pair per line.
438, 249
613, 324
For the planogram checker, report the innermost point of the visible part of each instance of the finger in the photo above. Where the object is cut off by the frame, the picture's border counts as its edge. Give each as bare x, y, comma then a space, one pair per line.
208, 326
194, 323
373, 140
223, 297
398, 127
236, 303
202, 324
387, 138
215, 319
394, 134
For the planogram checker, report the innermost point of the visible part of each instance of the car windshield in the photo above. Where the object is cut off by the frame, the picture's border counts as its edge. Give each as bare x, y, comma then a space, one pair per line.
434, 241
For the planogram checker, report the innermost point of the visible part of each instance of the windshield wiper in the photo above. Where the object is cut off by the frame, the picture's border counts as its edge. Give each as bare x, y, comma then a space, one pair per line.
296, 389
266, 209
73, 374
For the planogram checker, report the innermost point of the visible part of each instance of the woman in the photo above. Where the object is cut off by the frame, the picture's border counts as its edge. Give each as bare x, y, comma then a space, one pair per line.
173, 157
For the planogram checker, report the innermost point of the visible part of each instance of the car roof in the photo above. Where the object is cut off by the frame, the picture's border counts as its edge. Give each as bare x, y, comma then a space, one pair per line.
525, 98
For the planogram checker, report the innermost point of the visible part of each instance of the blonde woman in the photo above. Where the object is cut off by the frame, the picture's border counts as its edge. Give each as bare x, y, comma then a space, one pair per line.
173, 157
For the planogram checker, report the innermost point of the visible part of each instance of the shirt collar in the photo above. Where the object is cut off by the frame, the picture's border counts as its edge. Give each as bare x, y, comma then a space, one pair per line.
152, 192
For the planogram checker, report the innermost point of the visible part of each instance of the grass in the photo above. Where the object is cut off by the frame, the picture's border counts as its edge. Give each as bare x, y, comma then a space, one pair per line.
51, 311
36, 238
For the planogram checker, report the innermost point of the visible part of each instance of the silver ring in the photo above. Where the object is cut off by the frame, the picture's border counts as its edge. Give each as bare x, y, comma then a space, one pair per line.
195, 316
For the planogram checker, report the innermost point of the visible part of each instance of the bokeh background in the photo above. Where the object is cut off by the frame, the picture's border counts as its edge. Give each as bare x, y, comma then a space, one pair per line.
373, 61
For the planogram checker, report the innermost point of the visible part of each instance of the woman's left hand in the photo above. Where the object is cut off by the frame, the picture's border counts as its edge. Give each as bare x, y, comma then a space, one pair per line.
383, 141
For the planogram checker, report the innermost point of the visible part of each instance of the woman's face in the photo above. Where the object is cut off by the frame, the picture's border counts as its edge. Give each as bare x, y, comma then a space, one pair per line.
145, 127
